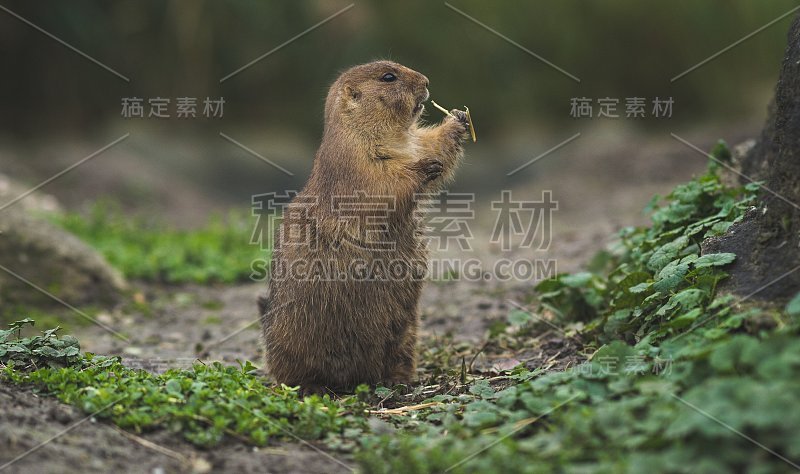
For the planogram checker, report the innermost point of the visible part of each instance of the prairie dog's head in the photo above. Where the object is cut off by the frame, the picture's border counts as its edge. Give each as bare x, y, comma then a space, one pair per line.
377, 96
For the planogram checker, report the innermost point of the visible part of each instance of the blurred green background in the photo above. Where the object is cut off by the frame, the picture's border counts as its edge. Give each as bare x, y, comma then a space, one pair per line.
59, 107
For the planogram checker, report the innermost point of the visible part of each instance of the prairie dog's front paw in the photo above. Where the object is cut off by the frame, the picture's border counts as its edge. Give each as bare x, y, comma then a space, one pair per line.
460, 117
430, 170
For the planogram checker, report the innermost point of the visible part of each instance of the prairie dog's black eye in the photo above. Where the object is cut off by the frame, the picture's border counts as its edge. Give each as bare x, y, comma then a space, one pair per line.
388, 77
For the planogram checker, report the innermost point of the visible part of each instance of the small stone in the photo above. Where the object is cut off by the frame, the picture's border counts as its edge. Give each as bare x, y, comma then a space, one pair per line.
133, 350
104, 318
138, 298
61, 414
379, 427
200, 466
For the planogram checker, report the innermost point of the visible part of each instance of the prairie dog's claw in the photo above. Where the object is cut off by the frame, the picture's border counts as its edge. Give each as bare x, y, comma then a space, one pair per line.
462, 118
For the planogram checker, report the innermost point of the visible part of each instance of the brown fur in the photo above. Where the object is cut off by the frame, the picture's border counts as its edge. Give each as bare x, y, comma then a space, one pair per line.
336, 334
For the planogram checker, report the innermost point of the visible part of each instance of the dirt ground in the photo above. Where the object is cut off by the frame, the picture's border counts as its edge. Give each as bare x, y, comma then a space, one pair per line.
184, 323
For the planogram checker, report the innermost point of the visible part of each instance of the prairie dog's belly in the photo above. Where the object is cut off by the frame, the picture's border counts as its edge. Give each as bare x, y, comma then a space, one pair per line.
338, 340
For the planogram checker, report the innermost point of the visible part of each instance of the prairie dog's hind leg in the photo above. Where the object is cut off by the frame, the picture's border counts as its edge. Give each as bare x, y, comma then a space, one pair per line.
404, 359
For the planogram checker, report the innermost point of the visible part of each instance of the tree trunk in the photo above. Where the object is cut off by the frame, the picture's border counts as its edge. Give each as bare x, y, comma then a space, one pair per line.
767, 241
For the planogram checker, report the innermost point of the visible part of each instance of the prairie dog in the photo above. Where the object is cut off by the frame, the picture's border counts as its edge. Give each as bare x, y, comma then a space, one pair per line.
326, 333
